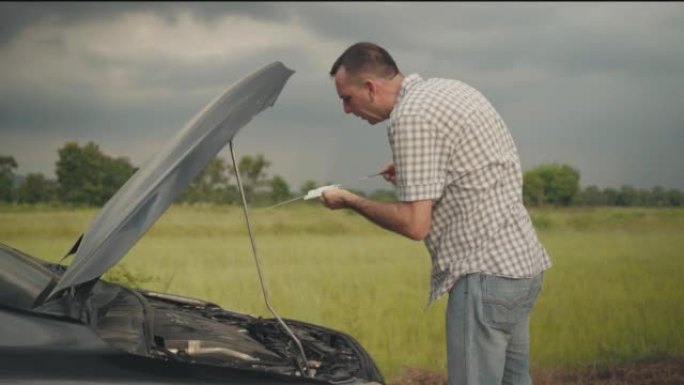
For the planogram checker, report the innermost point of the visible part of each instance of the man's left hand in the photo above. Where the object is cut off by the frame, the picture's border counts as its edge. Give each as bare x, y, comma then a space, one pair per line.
335, 198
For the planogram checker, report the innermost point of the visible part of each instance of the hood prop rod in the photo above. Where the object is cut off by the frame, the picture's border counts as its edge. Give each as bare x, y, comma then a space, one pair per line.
303, 366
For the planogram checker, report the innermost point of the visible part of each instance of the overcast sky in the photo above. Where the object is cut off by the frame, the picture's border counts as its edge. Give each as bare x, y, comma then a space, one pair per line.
599, 86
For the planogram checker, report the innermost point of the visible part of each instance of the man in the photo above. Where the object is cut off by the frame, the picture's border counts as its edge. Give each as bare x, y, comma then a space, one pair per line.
459, 184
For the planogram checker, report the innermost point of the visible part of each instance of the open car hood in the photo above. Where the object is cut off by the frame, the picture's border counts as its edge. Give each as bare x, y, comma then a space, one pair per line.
150, 191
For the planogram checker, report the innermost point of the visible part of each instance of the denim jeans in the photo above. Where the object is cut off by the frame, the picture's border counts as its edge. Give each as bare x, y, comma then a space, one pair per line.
487, 327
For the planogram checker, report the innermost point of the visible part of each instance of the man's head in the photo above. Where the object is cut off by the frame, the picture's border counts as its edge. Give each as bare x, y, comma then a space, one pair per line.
367, 80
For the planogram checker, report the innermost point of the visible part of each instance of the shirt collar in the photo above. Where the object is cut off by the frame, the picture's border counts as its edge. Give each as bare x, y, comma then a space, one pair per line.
409, 82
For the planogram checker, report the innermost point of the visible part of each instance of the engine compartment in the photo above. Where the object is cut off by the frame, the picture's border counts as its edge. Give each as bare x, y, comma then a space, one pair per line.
206, 333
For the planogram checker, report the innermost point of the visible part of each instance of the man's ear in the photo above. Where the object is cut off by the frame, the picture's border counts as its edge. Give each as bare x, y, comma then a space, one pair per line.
371, 88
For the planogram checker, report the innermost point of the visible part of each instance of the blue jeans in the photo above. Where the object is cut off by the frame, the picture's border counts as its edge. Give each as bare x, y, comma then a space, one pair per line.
487, 327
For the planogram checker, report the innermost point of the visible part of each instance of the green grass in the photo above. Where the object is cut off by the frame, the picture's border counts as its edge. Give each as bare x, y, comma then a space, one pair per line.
614, 294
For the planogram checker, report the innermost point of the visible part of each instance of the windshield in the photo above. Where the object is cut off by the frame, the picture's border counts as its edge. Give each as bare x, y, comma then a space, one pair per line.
22, 278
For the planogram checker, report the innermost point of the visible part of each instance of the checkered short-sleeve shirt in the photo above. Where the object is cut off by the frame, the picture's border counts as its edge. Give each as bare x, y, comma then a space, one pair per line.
450, 145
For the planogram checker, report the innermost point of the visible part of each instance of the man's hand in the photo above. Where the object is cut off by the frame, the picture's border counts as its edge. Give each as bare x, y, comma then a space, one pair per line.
389, 173
335, 198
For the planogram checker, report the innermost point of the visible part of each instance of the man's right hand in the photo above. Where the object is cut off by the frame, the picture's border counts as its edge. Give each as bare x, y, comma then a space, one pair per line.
389, 174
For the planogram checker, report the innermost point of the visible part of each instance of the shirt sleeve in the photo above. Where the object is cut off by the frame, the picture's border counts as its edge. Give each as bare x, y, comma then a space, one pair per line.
420, 157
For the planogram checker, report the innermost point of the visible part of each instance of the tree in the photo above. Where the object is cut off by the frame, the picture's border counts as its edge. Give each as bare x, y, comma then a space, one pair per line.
280, 190
252, 174
36, 188
87, 176
658, 197
211, 185
627, 196
253, 170
116, 172
553, 184
533, 189
610, 196
78, 173
307, 185
7, 167
675, 197
592, 196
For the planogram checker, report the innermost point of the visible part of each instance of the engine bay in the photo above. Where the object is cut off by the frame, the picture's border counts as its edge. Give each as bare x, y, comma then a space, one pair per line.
211, 335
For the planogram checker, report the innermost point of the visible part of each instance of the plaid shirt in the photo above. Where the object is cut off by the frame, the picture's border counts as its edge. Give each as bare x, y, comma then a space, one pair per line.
451, 146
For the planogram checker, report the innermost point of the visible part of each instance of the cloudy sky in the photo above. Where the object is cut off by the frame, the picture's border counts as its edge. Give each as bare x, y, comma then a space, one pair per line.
599, 86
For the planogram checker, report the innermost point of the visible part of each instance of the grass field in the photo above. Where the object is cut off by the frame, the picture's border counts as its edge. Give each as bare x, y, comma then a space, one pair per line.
614, 295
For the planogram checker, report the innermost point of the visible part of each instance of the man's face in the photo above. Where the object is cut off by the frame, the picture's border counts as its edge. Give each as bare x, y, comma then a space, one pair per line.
357, 96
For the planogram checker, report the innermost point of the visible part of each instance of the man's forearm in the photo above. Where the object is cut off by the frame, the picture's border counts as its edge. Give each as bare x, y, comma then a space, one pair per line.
411, 219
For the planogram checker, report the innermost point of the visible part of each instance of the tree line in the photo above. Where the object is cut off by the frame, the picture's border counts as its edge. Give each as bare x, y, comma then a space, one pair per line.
86, 176
558, 185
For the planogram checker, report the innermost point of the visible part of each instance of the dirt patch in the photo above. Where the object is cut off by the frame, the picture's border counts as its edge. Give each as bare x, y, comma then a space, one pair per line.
414, 376
669, 371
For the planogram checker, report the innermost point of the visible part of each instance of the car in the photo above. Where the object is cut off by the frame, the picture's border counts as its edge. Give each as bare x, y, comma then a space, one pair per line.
63, 324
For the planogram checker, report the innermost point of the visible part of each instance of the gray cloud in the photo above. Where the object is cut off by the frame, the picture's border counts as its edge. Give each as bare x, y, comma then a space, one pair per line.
15, 16
595, 85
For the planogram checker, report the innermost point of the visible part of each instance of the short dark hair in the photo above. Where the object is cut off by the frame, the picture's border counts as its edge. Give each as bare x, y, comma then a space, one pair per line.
366, 57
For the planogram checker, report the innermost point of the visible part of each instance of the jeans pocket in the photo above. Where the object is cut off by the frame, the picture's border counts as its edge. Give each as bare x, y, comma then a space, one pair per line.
507, 301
